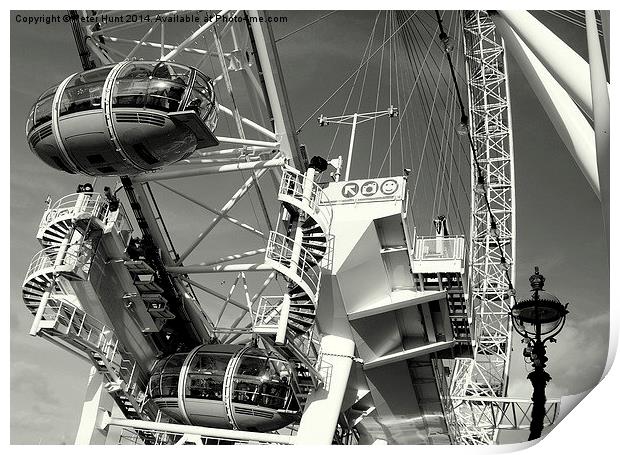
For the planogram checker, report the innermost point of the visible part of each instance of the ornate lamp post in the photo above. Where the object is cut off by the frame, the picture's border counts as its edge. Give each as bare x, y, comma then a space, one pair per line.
538, 319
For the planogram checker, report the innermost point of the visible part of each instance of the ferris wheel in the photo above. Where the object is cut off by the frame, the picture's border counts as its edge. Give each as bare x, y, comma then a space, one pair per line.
225, 236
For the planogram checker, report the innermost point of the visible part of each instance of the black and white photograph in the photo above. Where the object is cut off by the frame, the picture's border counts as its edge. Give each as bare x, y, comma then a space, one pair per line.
309, 227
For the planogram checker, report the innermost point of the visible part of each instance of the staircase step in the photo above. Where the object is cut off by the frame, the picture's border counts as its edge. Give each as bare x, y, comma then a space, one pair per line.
306, 320
315, 237
28, 288
299, 297
313, 246
296, 327
56, 237
58, 228
303, 309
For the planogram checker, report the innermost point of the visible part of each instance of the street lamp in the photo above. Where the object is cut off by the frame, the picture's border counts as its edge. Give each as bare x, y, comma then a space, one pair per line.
538, 319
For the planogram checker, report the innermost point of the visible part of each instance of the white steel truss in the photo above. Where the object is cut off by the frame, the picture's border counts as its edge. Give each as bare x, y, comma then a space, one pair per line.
486, 375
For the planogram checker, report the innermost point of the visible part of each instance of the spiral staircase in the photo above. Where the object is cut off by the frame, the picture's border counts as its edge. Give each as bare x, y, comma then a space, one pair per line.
286, 322
69, 233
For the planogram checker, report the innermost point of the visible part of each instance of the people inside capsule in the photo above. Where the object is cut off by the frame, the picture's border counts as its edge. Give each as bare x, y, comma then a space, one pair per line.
133, 128
189, 388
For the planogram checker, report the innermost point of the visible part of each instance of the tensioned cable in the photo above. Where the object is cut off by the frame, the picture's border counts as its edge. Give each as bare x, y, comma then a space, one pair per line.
306, 26
406, 105
402, 151
450, 145
425, 104
455, 202
346, 105
442, 157
434, 61
465, 192
477, 163
422, 66
574, 21
350, 76
428, 29
379, 79
390, 96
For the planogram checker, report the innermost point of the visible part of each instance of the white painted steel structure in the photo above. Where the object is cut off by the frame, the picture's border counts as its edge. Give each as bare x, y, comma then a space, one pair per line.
318, 315
486, 375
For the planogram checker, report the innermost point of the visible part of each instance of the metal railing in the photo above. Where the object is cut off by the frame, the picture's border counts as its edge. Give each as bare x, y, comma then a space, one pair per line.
75, 204
76, 255
122, 223
443, 387
280, 249
134, 436
267, 314
292, 185
93, 205
309, 343
439, 248
95, 335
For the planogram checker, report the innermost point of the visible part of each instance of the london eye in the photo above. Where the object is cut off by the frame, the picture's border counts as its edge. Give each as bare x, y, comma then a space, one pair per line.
271, 246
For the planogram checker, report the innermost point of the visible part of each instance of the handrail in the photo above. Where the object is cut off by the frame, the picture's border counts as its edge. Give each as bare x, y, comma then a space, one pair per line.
74, 204
74, 254
430, 248
87, 203
90, 330
268, 311
280, 249
292, 185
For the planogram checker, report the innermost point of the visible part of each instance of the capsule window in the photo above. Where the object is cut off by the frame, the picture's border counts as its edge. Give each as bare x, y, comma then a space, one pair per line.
30, 121
44, 108
155, 380
50, 91
83, 91
205, 377
170, 375
258, 383
167, 86
159, 86
202, 99
131, 86
43, 111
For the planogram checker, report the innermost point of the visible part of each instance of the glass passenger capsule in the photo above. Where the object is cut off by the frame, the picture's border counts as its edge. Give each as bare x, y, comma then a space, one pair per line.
225, 386
124, 119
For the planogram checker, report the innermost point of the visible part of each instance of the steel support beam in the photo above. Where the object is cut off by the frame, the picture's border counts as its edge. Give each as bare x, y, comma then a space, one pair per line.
190, 39
567, 67
182, 270
569, 122
192, 172
408, 354
269, 65
255, 126
241, 224
216, 433
223, 212
600, 100
215, 294
97, 400
318, 422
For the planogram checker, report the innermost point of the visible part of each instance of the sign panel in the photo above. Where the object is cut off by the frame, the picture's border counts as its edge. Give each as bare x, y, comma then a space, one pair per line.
373, 190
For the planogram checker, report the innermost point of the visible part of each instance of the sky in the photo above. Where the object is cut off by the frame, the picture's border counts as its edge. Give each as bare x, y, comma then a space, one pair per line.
558, 216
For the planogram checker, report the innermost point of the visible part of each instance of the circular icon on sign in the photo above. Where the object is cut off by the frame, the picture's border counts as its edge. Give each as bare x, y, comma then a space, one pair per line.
389, 187
350, 190
369, 188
